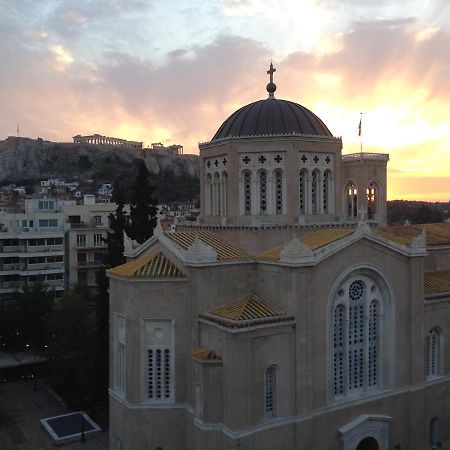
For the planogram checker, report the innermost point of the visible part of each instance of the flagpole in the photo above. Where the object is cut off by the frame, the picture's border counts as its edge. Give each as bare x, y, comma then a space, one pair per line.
360, 134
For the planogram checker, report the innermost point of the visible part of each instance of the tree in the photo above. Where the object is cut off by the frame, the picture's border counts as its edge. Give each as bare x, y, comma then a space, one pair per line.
74, 349
142, 207
29, 313
114, 240
427, 214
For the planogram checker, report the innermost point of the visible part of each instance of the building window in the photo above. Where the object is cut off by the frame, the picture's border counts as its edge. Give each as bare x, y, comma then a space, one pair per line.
81, 240
119, 379
43, 223
372, 198
279, 192
263, 192
356, 340
314, 192
98, 221
432, 353
98, 240
247, 193
302, 191
326, 192
434, 433
351, 195
46, 204
270, 388
82, 278
159, 371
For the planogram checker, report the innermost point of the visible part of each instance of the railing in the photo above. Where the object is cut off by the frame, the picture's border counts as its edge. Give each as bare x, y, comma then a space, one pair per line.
89, 263
366, 155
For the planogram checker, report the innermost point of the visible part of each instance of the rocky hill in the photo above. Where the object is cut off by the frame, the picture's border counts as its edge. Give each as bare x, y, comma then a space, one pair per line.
23, 160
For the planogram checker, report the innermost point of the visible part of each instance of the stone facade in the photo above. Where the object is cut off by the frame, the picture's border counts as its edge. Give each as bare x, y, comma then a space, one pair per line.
283, 324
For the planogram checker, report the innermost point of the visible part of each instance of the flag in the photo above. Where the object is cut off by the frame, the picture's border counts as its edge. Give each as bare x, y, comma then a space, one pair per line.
359, 126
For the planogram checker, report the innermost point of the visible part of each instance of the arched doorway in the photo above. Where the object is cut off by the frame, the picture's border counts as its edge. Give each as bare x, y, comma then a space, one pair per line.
368, 444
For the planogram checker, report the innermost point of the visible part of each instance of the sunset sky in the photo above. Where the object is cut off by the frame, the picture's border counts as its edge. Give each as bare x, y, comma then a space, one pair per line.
172, 71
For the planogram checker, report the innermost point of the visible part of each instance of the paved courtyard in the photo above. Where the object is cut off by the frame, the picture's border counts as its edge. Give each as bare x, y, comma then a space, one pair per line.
21, 409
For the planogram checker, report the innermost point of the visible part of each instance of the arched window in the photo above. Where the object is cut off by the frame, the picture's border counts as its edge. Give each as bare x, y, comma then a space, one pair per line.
269, 392
326, 192
314, 192
279, 192
216, 195
356, 339
224, 200
262, 192
432, 353
208, 195
434, 432
302, 190
247, 192
372, 199
351, 194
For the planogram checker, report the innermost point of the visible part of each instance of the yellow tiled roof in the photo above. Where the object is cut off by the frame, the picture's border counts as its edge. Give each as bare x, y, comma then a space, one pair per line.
225, 250
246, 312
247, 308
400, 234
437, 233
206, 354
437, 282
313, 240
156, 265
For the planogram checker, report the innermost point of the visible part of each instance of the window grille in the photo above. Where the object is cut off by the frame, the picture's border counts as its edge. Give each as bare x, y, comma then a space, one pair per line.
302, 191
279, 192
338, 344
314, 189
159, 374
356, 337
432, 353
326, 187
247, 193
262, 192
270, 392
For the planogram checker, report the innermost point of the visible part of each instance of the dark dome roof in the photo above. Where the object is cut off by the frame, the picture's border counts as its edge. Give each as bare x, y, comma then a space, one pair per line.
272, 116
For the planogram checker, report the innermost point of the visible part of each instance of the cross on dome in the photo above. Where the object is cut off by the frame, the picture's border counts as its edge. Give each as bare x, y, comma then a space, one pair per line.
271, 87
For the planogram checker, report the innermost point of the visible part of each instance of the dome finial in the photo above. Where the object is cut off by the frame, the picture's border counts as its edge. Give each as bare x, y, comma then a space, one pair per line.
271, 87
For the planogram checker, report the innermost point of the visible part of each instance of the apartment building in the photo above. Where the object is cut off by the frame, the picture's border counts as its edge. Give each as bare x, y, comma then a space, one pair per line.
87, 225
32, 247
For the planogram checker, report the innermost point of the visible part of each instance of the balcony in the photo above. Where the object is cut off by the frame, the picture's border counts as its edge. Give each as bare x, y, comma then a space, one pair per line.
89, 264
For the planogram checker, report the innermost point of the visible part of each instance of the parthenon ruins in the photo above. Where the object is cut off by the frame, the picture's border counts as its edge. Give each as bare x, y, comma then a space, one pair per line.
106, 140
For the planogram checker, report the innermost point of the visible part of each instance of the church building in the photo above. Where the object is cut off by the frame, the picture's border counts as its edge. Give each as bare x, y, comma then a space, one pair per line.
289, 317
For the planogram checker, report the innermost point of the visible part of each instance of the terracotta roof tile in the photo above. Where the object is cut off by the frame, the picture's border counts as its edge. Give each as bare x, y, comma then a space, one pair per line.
437, 233
156, 265
314, 241
437, 282
226, 250
247, 311
206, 354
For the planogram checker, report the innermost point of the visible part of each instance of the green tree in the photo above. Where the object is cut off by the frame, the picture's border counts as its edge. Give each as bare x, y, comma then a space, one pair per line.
427, 214
29, 315
74, 349
114, 240
142, 207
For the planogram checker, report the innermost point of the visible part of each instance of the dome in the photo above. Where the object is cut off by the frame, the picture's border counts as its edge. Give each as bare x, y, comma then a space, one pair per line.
272, 116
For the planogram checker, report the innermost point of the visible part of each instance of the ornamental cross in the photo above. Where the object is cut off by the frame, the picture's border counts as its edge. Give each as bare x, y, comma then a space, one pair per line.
262, 159
328, 160
316, 159
304, 159
278, 159
246, 159
270, 72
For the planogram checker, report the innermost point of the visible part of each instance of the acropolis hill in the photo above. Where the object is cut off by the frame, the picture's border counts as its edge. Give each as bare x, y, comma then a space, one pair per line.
24, 159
